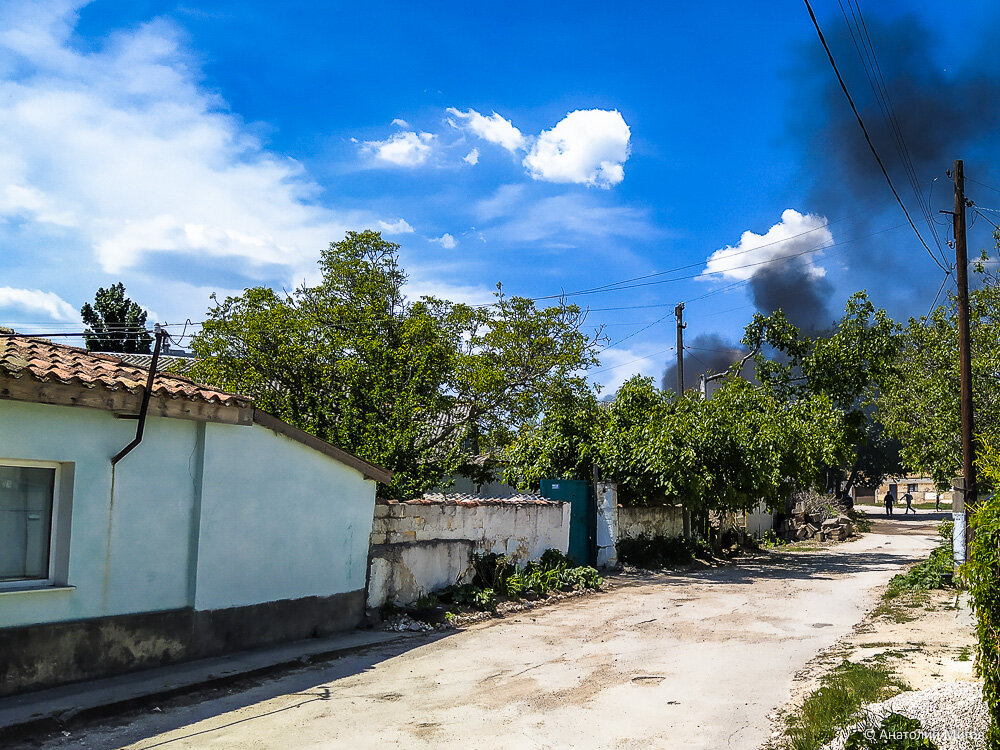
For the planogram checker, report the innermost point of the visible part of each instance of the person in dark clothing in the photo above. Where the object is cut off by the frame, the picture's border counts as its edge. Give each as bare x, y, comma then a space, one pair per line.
889, 500
908, 499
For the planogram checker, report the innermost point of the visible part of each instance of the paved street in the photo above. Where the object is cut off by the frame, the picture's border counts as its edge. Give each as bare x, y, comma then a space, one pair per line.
681, 660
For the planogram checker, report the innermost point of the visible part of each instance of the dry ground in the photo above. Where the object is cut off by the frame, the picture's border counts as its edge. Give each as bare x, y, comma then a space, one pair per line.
690, 659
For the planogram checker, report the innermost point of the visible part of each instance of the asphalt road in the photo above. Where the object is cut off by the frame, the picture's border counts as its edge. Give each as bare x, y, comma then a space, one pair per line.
693, 659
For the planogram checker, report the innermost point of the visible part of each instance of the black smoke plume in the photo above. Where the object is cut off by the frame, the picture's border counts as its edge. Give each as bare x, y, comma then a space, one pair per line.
706, 353
791, 286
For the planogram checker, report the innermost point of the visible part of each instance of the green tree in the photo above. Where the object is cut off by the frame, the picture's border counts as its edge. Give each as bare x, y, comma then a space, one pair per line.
560, 443
116, 323
920, 402
846, 365
727, 453
424, 388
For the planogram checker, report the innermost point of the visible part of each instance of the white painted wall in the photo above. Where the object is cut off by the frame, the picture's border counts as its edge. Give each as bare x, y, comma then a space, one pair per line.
267, 519
607, 524
430, 545
278, 520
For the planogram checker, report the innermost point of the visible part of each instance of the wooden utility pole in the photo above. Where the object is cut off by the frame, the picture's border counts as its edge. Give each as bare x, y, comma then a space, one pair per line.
966, 498
679, 314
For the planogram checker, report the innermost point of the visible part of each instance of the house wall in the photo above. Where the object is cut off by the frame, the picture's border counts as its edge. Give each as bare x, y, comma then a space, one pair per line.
205, 538
419, 547
311, 516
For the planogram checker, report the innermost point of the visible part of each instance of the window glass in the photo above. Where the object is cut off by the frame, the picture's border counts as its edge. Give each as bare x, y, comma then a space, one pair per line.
911, 488
25, 522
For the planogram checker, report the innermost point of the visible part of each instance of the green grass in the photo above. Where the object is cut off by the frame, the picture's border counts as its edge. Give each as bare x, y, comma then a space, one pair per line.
838, 701
965, 654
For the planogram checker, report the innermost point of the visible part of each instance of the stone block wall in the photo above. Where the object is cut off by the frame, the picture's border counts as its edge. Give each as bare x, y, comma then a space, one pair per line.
422, 545
650, 520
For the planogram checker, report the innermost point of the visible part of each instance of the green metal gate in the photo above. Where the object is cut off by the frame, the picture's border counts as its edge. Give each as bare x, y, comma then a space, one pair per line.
583, 516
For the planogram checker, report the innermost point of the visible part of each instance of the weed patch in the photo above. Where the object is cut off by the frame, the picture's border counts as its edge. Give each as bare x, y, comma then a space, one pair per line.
838, 701
933, 573
496, 579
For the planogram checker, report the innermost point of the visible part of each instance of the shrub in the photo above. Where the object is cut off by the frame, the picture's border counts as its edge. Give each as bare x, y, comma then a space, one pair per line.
935, 572
982, 572
496, 578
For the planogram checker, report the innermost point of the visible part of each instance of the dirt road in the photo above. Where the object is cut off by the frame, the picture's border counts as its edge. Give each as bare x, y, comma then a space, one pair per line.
681, 660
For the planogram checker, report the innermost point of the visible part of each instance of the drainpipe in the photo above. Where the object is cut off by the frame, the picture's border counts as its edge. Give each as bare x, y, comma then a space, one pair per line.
160, 335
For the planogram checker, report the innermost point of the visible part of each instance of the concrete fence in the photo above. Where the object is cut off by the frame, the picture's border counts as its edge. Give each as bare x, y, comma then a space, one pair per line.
616, 522
422, 545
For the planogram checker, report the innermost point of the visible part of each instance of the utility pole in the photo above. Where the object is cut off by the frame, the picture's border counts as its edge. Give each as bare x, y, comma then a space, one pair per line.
679, 314
968, 495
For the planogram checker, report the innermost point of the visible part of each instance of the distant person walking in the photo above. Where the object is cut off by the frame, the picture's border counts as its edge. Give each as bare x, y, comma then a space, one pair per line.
908, 499
937, 501
889, 500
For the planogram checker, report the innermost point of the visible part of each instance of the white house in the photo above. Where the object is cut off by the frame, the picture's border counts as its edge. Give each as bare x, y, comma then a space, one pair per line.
224, 528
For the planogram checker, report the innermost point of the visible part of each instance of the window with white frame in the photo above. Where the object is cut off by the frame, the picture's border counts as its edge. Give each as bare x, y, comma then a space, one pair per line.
28, 502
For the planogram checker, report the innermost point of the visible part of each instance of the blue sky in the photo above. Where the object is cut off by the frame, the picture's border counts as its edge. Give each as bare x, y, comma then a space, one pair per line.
192, 148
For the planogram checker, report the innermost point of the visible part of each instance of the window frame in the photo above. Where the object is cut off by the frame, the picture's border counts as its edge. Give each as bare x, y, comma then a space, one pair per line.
52, 579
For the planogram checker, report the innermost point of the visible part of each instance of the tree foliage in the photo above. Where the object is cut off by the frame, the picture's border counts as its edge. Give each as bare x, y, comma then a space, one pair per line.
740, 447
422, 387
846, 366
920, 403
115, 323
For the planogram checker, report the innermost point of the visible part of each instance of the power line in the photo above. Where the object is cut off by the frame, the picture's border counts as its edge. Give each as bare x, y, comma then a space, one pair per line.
625, 364
868, 139
873, 71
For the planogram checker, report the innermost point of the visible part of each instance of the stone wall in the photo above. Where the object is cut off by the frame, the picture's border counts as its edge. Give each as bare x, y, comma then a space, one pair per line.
422, 545
650, 520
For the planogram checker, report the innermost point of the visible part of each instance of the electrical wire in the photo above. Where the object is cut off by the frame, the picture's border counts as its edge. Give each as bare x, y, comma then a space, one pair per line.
873, 71
625, 364
857, 115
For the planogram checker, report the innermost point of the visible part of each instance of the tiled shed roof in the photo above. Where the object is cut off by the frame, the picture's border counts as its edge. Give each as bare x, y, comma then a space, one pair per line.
44, 361
440, 498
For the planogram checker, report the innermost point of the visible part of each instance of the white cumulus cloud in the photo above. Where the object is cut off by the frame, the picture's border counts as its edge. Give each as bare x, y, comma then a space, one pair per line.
588, 147
794, 236
37, 302
472, 157
446, 241
494, 128
120, 152
400, 226
407, 149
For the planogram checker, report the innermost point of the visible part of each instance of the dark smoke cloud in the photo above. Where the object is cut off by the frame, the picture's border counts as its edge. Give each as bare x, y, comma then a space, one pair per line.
708, 353
792, 287
942, 110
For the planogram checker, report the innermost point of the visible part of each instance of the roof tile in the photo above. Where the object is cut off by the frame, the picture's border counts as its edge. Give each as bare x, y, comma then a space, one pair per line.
47, 362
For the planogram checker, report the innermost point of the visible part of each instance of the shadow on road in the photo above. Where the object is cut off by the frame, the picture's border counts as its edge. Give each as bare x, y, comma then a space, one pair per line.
312, 682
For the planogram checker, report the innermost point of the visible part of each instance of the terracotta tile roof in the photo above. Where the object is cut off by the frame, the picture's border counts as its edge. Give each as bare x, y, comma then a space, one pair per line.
440, 498
44, 361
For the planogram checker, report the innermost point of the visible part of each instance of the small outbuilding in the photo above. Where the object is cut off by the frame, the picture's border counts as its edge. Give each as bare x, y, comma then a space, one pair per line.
225, 528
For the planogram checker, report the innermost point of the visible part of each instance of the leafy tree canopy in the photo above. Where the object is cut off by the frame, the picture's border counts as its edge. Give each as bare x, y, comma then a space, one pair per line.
920, 401
846, 365
422, 387
115, 323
